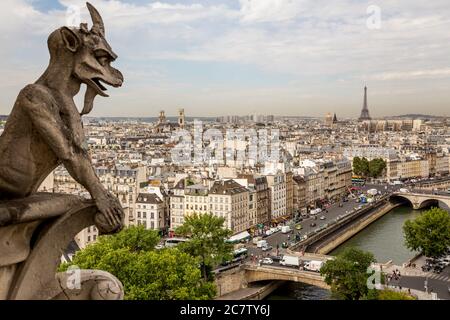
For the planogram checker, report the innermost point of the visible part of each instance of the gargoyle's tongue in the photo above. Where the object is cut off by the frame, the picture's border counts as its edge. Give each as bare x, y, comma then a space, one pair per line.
88, 100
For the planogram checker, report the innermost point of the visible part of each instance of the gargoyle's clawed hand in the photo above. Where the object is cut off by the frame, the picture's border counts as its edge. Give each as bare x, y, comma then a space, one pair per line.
110, 218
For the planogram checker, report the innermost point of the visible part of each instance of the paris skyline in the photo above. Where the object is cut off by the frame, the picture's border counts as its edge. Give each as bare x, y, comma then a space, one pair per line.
281, 57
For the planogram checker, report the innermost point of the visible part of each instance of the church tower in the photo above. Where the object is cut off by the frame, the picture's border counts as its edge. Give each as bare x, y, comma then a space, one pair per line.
181, 120
162, 117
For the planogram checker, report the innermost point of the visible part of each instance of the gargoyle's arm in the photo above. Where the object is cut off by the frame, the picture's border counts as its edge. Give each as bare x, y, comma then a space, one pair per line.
48, 123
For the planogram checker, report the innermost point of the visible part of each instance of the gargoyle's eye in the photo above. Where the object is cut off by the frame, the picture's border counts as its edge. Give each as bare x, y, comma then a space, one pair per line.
102, 57
103, 60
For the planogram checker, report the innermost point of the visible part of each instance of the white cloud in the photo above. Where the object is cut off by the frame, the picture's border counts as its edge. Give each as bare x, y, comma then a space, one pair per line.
270, 10
412, 75
316, 43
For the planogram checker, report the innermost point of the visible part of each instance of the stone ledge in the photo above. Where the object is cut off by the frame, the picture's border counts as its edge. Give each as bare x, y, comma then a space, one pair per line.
38, 231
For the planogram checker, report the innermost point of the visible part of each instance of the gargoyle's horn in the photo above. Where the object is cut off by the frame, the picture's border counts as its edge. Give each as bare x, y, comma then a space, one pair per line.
97, 20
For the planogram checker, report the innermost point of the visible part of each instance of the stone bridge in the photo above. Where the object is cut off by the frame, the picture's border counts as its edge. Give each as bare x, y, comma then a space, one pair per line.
421, 200
270, 273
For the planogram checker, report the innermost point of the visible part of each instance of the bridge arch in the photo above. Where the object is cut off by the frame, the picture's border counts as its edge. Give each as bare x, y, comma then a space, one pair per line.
401, 199
420, 201
429, 203
259, 274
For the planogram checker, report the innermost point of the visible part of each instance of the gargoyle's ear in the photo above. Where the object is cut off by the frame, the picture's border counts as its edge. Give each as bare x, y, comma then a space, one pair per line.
71, 39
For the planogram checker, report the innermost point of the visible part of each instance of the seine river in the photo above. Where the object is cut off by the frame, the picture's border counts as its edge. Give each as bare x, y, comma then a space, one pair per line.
384, 238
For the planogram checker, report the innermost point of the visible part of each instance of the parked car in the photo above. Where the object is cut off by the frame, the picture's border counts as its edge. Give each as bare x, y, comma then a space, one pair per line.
298, 227
267, 261
312, 224
322, 218
276, 258
267, 248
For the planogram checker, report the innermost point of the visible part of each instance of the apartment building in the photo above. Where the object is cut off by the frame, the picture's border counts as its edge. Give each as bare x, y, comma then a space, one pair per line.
263, 200
407, 169
124, 182
150, 211
299, 199
230, 200
86, 237
337, 178
278, 200
259, 184
289, 193
314, 187
196, 199
177, 205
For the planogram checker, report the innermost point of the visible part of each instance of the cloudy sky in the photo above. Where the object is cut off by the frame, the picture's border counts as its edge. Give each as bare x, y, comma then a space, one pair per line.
219, 57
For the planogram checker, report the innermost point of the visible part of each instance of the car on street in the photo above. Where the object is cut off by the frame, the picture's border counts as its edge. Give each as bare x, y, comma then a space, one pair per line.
267, 261
276, 258
298, 227
267, 248
313, 224
322, 218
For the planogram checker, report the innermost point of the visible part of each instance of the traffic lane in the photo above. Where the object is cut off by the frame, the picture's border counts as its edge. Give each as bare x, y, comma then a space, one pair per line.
331, 213
418, 283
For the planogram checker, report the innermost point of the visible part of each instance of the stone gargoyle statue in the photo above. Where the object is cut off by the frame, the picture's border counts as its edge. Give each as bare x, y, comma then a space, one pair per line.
43, 131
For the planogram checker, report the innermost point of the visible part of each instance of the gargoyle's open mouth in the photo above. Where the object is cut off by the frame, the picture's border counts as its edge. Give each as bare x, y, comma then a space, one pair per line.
97, 82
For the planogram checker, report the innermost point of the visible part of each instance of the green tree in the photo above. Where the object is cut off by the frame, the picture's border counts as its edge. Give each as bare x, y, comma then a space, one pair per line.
361, 166
357, 166
347, 274
376, 167
206, 240
393, 295
428, 233
145, 273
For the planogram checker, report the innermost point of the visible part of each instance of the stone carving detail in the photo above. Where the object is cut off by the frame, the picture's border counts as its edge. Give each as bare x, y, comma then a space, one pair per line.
43, 131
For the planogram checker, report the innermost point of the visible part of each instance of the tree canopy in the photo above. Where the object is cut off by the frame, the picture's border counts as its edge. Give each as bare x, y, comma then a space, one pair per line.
347, 274
146, 273
206, 240
373, 168
428, 233
376, 167
393, 295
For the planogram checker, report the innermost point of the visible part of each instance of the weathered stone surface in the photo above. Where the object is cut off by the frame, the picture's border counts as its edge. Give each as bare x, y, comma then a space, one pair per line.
43, 131
30, 271
94, 285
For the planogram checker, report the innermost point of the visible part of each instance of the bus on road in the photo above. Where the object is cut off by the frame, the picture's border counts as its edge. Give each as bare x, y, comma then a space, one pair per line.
238, 255
358, 181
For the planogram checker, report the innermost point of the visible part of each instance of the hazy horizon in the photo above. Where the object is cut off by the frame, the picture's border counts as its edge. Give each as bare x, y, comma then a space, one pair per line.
242, 57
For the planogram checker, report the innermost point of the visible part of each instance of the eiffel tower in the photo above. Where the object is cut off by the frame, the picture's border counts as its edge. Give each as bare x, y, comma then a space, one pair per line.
365, 110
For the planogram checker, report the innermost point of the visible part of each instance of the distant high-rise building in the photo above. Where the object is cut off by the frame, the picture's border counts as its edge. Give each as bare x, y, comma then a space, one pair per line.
181, 120
365, 110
